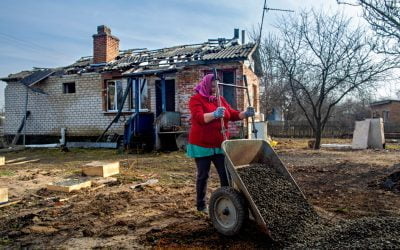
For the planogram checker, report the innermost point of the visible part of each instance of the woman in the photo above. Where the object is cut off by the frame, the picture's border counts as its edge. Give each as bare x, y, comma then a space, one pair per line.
205, 135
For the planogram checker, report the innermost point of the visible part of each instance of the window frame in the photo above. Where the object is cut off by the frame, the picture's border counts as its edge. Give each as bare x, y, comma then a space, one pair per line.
116, 82
66, 87
132, 96
385, 115
220, 74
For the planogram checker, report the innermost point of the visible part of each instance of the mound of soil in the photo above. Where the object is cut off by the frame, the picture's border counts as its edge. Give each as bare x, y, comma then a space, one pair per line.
95, 217
391, 182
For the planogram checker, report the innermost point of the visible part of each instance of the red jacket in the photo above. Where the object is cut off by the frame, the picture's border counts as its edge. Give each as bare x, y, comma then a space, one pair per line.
208, 135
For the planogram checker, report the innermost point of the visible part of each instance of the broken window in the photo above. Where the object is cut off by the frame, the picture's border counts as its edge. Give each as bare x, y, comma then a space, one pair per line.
68, 87
114, 95
143, 96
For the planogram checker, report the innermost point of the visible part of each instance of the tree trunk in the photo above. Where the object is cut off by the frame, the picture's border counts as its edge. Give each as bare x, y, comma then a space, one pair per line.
318, 135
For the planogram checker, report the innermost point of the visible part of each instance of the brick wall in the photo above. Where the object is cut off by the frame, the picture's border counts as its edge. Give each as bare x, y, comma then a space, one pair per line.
394, 112
81, 112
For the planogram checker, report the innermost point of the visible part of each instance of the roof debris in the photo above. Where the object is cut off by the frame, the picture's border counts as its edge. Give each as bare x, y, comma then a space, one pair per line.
133, 61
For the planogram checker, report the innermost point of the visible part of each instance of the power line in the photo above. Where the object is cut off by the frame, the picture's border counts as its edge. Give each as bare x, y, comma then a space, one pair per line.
28, 44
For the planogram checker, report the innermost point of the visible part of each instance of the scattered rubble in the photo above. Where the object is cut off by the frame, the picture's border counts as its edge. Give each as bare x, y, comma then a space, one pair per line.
391, 182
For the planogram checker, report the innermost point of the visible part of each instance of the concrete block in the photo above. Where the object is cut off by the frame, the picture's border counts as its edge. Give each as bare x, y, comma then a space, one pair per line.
360, 135
376, 137
3, 195
2, 160
69, 185
103, 169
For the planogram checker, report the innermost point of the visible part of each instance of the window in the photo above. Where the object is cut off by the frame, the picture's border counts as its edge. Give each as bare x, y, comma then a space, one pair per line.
228, 92
143, 96
114, 95
69, 87
385, 116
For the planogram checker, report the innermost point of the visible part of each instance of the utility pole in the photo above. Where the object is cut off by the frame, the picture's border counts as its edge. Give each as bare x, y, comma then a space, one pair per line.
26, 110
266, 9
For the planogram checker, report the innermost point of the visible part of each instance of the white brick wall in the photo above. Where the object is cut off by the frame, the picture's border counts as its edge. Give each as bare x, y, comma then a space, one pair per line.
81, 112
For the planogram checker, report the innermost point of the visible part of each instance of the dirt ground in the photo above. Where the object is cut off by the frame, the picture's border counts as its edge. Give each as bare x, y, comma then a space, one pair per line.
340, 184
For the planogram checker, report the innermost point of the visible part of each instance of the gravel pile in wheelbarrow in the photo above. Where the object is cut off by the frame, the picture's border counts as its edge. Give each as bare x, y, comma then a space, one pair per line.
294, 224
288, 215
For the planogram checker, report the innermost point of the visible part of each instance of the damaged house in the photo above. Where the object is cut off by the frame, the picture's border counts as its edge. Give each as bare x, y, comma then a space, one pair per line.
110, 87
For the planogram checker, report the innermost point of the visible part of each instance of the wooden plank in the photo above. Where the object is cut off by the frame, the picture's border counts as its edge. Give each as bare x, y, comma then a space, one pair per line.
69, 185
10, 203
91, 145
15, 160
3, 195
23, 162
103, 169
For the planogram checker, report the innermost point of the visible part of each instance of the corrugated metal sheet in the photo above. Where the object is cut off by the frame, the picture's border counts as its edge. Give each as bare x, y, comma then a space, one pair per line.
36, 76
143, 59
181, 55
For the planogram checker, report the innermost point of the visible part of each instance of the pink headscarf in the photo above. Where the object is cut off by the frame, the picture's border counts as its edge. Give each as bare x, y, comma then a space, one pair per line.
204, 87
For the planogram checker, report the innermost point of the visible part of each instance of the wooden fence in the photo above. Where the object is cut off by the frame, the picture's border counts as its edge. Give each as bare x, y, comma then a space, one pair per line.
332, 130
304, 131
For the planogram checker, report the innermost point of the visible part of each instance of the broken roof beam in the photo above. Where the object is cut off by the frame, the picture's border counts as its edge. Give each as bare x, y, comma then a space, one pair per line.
151, 72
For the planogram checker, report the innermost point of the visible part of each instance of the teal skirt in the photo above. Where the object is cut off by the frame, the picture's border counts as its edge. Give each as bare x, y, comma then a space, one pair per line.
195, 151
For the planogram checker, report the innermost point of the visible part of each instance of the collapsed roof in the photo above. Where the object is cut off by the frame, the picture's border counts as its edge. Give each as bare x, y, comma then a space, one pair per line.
143, 60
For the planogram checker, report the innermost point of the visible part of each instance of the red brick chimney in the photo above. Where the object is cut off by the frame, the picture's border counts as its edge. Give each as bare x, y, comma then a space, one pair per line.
105, 45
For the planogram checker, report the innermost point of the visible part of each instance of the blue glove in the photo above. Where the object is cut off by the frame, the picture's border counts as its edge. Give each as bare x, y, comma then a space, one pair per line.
219, 112
249, 112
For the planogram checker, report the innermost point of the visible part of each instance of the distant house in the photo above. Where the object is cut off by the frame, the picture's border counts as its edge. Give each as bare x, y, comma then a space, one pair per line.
84, 97
388, 110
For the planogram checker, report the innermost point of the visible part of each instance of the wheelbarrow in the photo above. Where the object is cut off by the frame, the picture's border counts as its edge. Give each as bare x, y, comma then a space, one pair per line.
231, 206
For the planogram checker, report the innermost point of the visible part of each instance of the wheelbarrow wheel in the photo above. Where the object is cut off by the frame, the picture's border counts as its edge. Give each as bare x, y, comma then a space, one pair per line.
228, 210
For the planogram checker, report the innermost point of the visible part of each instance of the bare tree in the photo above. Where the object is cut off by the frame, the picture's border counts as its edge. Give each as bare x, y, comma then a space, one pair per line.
384, 18
275, 91
324, 60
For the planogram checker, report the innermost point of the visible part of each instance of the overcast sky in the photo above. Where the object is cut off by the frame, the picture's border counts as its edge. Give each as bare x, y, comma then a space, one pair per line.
49, 33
